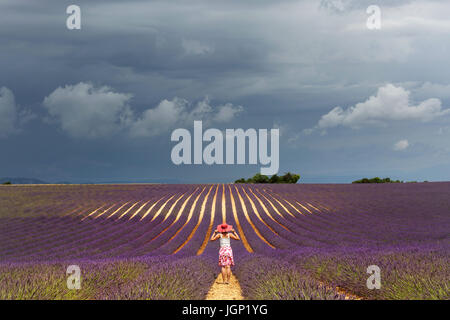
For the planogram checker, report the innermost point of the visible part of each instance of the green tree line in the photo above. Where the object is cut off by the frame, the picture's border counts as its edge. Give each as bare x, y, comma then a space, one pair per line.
259, 178
377, 180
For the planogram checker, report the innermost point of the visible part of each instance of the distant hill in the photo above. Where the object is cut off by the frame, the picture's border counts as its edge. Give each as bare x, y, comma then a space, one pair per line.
22, 180
130, 181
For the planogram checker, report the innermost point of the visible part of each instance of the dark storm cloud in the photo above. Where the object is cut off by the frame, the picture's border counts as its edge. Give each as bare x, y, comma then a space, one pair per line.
284, 62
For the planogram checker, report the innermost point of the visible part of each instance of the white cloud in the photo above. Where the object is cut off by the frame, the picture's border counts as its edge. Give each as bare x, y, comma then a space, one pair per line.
179, 112
391, 103
227, 112
401, 145
12, 117
154, 121
84, 111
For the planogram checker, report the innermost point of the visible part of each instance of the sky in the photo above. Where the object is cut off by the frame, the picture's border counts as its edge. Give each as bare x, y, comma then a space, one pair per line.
99, 104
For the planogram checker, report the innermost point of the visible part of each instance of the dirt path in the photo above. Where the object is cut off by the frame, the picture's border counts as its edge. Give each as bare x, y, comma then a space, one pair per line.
348, 295
220, 291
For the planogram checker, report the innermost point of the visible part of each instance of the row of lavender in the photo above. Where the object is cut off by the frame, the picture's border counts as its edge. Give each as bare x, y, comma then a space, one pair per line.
403, 229
283, 227
156, 278
343, 227
406, 273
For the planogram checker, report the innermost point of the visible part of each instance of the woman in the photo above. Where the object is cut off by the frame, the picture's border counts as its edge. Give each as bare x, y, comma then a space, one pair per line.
225, 232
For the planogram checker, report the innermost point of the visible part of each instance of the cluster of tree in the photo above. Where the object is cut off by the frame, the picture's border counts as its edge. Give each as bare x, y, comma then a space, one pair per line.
7, 182
377, 180
259, 178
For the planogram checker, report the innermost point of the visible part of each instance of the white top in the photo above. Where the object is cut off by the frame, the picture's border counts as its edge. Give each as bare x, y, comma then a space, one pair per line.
225, 241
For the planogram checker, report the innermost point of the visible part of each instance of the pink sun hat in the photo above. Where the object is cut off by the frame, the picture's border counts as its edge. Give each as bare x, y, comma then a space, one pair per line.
224, 227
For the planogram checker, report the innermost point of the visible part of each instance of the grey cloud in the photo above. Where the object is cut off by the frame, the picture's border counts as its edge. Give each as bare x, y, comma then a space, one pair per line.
287, 61
196, 47
232, 50
8, 112
341, 6
12, 117
428, 89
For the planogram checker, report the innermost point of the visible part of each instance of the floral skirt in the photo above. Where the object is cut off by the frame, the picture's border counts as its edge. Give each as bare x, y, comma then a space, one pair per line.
226, 257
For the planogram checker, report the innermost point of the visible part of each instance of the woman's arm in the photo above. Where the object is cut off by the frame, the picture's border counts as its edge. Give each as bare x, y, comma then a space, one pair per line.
215, 236
234, 235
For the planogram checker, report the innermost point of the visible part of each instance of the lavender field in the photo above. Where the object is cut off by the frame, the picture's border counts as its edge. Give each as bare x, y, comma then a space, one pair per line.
298, 241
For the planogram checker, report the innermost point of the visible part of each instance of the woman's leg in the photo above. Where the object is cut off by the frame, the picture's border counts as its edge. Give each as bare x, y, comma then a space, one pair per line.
224, 274
228, 274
